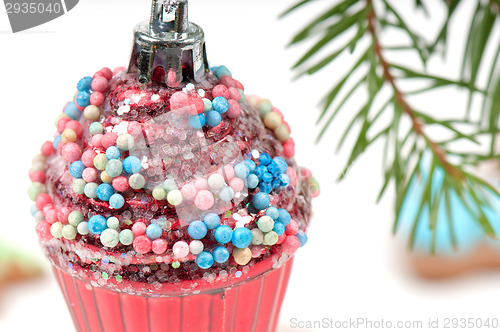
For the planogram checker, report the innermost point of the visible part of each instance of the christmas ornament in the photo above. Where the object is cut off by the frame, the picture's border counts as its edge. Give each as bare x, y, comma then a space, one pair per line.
168, 193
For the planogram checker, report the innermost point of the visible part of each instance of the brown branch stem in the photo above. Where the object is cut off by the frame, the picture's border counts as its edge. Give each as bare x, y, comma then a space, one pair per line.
400, 97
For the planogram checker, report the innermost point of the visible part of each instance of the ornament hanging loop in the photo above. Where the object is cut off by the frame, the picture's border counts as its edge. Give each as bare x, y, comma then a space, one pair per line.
168, 49
161, 16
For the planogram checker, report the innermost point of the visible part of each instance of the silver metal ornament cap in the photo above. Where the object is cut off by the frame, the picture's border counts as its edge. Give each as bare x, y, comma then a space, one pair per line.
168, 48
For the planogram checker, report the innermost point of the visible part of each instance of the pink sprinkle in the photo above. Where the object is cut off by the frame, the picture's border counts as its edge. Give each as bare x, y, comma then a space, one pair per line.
305, 172
95, 141
51, 216
37, 176
108, 140
134, 128
43, 231
281, 238
47, 207
239, 85
106, 72
96, 98
227, 171
201, 184
180, 249
257, 251
120, 183
204, 200
61, 123
292, 228
139, 228
88, 158
172, 79
99, 83
142, 244
228, 81
118, 70
76, 126
220, 91
90, 174
196, 105
290, 244
234, 109
178, 102
237, 184
189, 191
159, 246
62, 214
71, 152
234, 94
47, 148
289, 149
42, 200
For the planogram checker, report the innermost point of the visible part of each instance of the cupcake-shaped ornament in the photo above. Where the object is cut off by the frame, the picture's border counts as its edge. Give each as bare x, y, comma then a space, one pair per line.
168, 199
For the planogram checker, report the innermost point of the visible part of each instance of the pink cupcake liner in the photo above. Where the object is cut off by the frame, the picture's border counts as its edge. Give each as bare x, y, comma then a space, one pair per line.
252, 306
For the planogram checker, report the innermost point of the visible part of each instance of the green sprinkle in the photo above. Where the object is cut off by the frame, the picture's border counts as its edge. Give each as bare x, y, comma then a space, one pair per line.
176, 265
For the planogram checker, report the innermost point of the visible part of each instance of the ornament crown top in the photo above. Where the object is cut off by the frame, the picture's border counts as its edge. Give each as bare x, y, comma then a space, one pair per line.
168, 48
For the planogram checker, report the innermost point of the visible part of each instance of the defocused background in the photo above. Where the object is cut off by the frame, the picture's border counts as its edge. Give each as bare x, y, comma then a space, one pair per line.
352, 267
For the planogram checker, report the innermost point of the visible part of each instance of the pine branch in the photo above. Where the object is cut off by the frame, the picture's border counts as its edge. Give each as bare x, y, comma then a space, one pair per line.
410, 157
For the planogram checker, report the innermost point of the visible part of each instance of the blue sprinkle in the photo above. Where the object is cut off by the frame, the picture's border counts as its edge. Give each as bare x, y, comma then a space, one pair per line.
264, 159
204, 260
132, 165
223, 234
274, 169
273, 213
105, 260
302, 238
76, 169
276, 183
265, 187
97, 224
56, 141
84, 84
105, 191
153, 231
113, 153
221, 254
212, 220
83, 99
116, 201
238, 274
284, 217
284, 180
220, 104
33, 210
267, 177
197, 121
282, 164
241, 171
197, 229
70, 265
213, 118
252, 181
72, 111
242, 237
260, 170
279, 228
221, 71
250, 164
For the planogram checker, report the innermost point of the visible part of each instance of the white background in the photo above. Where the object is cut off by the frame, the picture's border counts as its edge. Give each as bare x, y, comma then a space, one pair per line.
352, 266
